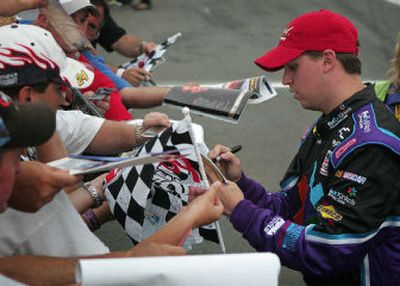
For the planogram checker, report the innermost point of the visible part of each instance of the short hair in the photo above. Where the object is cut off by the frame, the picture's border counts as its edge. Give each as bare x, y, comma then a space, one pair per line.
394, 71
102, 3
350, 62
14, 90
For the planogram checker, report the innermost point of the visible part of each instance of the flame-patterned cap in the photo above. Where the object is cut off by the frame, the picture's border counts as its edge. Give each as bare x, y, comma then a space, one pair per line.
30, 55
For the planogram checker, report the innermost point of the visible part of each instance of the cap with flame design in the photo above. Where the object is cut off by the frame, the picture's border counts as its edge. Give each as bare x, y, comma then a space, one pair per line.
30, 55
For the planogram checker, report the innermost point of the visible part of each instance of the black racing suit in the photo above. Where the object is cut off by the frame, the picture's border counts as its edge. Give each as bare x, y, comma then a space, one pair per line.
337, 217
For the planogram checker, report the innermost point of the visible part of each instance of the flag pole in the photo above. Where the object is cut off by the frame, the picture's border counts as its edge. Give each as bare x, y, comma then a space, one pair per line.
188, 119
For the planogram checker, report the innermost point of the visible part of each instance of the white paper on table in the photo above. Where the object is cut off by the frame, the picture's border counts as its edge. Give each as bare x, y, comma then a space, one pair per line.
219, 269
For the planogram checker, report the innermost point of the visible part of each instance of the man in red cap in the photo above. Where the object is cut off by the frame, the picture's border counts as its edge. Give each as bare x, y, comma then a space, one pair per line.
337, 217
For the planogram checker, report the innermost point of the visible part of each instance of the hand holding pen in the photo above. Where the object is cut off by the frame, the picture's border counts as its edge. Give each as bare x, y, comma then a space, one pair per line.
228, 163
234, 149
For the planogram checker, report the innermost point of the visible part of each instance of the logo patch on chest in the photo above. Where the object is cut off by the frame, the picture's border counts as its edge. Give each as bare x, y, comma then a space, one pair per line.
344, 199
351, 177
329, 212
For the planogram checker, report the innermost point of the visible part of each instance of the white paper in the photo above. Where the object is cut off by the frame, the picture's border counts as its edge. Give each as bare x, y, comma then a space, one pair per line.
244, 269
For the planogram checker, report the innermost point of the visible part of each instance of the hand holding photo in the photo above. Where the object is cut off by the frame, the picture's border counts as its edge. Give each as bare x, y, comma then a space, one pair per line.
218, 103
101, 93
212, 171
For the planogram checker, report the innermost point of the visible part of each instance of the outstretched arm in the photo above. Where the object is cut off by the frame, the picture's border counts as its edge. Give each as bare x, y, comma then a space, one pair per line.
205, 209
37, 184
42, 270
115, 137
143, 97
12, 7
130, 46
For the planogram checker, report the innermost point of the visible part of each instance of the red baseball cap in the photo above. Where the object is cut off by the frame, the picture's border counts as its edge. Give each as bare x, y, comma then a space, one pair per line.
315, 31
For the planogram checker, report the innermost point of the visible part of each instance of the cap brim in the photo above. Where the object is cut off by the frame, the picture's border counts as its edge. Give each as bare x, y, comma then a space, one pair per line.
77, 74
73, 7
30, 124
278, 57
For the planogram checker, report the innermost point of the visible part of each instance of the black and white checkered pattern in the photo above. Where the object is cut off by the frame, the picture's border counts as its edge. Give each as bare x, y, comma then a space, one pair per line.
143, 198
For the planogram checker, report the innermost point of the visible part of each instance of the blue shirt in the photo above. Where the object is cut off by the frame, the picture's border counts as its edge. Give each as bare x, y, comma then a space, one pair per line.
99, 63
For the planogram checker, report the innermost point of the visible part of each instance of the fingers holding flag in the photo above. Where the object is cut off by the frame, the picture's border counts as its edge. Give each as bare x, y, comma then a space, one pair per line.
205, 208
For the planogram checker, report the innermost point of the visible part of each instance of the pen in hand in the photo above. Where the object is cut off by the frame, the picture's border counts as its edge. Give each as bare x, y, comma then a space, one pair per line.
234, 149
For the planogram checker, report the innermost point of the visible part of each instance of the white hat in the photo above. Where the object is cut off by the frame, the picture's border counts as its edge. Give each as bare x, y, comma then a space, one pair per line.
72, 6
30, 55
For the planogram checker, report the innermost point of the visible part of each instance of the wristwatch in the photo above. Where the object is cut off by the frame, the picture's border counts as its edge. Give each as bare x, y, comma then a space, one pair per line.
98, 200
138, 134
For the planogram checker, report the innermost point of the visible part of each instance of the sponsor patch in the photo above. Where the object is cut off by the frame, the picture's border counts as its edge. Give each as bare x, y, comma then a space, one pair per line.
351, 176
364, 121
342, 131
292, 235
352, 192
344, 199
286, 32
329, 212
344, 148
9, 79
340, 117
81, 77
325, 164
274, 225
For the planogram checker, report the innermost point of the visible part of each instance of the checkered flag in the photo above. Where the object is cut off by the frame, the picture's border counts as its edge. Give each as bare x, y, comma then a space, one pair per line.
143, 198
149, 61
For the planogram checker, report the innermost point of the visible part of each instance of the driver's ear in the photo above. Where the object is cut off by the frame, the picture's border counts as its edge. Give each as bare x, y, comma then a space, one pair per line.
329, 60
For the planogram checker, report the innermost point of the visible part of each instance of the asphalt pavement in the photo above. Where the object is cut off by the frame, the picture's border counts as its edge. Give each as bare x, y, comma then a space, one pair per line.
220, 40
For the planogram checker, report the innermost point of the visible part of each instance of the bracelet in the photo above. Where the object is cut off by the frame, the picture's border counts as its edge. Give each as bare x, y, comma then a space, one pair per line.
119, 72
98, 200
138, 134
91, 220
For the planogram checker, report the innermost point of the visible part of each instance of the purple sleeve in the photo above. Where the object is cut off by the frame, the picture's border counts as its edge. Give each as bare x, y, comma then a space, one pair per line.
258, 195
266, 231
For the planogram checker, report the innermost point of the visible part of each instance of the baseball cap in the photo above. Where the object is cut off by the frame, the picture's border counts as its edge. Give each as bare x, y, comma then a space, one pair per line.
24, 125
72, 6
314, 31
30, 55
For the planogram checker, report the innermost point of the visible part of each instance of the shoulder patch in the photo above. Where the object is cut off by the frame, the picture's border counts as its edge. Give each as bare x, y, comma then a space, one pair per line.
365, 131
